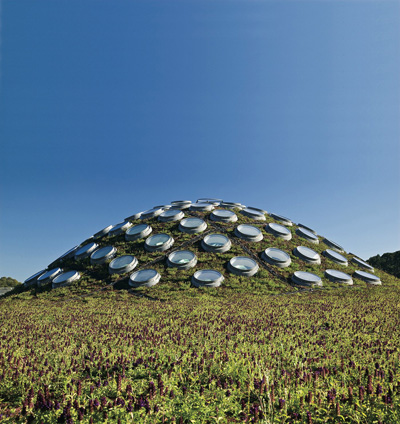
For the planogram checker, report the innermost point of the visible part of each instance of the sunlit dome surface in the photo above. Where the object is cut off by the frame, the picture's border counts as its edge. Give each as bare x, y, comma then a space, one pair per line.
205, 243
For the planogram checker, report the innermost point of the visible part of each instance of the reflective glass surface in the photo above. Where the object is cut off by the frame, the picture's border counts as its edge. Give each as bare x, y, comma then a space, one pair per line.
216, 240
307, 233
137, 229
279, 229
103, 252
243, 263
338, 274
68, 252
254, 212
181, 257
143, 275
307, 276
248, 230
192, 222
362, 263
158, 239
307, 228
119, 226
65, 276
279, 217
207, 275
86, 248
223, 213
333, 254
333, 244
367, 275
122, 261
32, 277
277, 255
49, 274
307, 252
170, 212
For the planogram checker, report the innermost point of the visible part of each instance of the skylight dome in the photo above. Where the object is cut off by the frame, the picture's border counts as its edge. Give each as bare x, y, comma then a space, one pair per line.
335, 257
338, 277
279, 231
283, 220
223, 215
276, 257
308, 235
103, 254
248, 233
201, 207
158, 242
192, 225
171, 215
144, 278
333, 245
102, 232
241, 265
65, 279
306, 254
362, 264
182, 259
122, 264
207, 278
303, 278
253, 214
368, 278
48, 276
138, 232
151, 213
119, 228
86, 250
216, 243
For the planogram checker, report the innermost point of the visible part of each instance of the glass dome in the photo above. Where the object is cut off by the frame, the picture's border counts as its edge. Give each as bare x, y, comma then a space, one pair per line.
367, 277
100, 256
362, 263
48, 276
216, 243
253, 214
303, 278
158, 242
276, 257
338, 277
278, 231
86, 250
181, 204
122, 264
119, 228
151, 213
307, 254
182, 259
68, 254
335, 257
102, 232
308, 235
333, 245
209, 200
243, 266
65, 279
201, 207
133, 217
223, 215
307, 228
171, 215
144, 278
248, 232
207, 278
138, 232
231, 205
192, 225
33, 278
282, 219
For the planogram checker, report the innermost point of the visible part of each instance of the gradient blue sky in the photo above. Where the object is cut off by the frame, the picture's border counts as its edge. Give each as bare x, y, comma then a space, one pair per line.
109, 107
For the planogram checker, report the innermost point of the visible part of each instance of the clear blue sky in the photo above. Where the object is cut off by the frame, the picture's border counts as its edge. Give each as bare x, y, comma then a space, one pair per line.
110, 107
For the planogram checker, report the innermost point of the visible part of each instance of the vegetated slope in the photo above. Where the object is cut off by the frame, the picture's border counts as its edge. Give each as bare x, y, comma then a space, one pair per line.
202, 356
389, 262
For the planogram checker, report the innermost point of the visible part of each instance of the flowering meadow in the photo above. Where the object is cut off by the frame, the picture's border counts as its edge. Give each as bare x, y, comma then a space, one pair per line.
201, 356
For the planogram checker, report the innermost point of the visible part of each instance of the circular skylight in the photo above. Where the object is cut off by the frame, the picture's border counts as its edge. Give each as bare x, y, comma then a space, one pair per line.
119, 228
144, 278
66, 279
100, 256
192, 225
223, 215
182, 259
86, 250
362, 263
231, 205
307, 228
133, 217
68, 254
151, 213
241, 265
335, 257
181, 204
33, 278
276, 257
102, 232
163, 207
282, 219
210, 200
278, 231
338, 277
216, 243
333, 245
248, 232
207, 278
48, 276
308, 235
307, 254
367, 277
138, 232
253, 214
201, 207
171, 215
122, 264
158, 242
258, 210
306, 279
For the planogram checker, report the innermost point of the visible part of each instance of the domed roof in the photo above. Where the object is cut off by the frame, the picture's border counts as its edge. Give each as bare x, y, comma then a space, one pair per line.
182, 243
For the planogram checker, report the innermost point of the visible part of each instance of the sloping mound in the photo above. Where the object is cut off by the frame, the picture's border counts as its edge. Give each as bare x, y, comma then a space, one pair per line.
207, 244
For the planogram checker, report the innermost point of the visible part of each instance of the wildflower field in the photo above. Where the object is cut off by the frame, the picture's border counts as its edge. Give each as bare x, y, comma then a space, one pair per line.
201, 356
